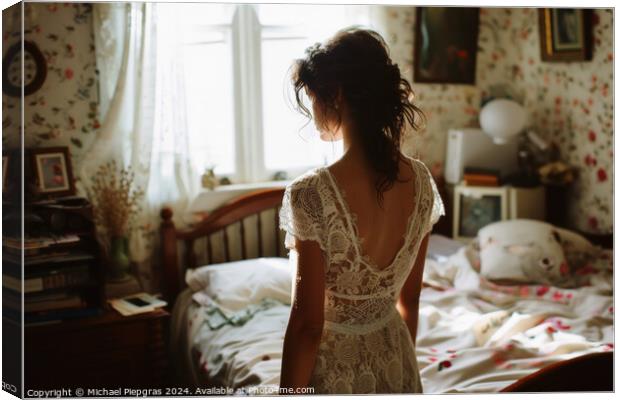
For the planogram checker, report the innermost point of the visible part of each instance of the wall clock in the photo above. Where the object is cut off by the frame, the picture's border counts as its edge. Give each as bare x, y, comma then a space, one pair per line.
35, 69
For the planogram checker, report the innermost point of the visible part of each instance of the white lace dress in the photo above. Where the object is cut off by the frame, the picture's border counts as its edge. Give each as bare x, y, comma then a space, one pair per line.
365, 346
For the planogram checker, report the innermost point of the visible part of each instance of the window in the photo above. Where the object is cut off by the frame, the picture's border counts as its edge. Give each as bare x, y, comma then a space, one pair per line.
238, 93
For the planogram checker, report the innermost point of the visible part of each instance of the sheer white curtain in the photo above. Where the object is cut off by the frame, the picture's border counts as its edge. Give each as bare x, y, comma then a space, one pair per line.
143, 114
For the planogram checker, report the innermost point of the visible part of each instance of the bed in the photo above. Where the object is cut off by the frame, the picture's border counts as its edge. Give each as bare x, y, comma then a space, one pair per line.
474, 335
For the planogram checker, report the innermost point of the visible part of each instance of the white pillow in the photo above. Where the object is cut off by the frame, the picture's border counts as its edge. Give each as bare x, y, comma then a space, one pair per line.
522, 251
235, 285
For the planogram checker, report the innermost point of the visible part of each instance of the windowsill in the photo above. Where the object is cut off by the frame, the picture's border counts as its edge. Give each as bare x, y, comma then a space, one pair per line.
246, 186
209, 200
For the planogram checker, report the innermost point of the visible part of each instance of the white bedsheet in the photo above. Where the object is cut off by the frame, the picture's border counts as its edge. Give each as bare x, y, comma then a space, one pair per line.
473, 336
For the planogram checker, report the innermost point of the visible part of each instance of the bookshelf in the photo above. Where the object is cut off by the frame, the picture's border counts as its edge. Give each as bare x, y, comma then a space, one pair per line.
62, 271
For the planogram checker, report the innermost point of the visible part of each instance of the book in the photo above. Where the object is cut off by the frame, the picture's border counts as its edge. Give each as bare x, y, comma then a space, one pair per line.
482, 171
38, 242
73, 301
18, 251
480, 181
53, 279
53, 258
70, 303
136, 304
37, 297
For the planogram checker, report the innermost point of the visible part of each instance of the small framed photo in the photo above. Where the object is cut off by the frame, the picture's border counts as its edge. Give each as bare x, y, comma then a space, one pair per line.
5, 168
565, 34
476, 207
52, 171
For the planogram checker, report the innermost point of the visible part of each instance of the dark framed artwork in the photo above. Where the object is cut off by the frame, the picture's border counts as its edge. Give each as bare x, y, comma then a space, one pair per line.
565, 34
52, 171
446, 45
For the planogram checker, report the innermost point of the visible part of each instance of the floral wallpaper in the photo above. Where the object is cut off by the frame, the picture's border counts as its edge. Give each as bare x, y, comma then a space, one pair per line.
63, 112
570, 104
11, 107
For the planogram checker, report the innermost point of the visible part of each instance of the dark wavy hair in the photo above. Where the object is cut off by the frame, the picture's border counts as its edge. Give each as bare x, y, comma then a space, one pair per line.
356, 65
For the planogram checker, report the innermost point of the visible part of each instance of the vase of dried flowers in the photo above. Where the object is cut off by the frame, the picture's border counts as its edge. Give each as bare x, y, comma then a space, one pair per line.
119, 259
116, 204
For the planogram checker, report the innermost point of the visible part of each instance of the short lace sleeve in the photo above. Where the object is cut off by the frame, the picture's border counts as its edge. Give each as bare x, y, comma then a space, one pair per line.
301, 213
437, 207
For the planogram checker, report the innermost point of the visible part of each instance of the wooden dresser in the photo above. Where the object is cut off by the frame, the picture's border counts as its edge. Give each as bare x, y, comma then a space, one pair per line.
104, 351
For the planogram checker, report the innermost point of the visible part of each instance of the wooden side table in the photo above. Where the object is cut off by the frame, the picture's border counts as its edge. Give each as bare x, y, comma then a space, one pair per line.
105, 351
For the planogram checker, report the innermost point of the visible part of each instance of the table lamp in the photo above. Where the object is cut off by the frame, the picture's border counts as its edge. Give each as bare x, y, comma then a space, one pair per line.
502, 120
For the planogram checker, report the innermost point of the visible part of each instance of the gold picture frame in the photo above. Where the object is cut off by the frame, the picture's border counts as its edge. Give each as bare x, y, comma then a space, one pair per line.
565, 34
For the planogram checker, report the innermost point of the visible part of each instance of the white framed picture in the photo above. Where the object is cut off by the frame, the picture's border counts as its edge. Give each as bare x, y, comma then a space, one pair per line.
476, 207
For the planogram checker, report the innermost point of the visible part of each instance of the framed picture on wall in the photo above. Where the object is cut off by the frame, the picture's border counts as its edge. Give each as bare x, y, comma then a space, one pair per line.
52, 171
476, 207
446, 45
565, 34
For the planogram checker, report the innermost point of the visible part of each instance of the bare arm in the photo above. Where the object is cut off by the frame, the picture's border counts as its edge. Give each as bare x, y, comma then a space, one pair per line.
409, 300
305, 325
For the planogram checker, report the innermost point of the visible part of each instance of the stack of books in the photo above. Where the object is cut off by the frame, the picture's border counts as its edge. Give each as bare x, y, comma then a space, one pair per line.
56, 271
473, 176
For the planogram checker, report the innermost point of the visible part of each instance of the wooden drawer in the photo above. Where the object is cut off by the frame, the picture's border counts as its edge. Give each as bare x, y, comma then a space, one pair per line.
127, 353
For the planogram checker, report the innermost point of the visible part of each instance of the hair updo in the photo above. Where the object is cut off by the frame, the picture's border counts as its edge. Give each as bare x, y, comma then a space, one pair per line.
356, 64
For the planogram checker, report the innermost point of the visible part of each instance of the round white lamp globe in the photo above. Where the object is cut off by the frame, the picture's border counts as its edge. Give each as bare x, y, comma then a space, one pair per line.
502, 119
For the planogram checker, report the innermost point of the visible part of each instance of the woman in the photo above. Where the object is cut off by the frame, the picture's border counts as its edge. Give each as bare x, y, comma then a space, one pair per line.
358, 228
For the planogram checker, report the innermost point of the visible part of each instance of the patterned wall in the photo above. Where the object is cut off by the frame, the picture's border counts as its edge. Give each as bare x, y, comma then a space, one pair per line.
64, 111
570, 103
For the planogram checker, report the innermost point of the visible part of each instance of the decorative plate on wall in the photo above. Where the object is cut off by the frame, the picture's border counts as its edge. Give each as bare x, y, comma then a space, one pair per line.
35, 69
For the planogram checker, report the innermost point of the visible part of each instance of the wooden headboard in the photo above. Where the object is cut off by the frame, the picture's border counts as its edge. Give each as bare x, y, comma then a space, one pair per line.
177, 242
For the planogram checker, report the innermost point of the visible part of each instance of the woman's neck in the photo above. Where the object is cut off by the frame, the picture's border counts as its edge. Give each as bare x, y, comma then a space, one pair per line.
354, 163
353, 150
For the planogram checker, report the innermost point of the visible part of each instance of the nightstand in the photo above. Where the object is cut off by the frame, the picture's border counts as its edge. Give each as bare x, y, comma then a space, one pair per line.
104, 351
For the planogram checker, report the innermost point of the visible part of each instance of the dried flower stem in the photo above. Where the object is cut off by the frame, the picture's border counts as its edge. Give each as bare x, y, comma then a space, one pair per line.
116, 202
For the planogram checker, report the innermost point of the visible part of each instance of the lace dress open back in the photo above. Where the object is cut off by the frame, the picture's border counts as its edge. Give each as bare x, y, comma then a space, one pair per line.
365, 346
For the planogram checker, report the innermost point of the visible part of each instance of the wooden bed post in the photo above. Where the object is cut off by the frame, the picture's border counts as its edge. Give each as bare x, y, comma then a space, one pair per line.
169, 257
